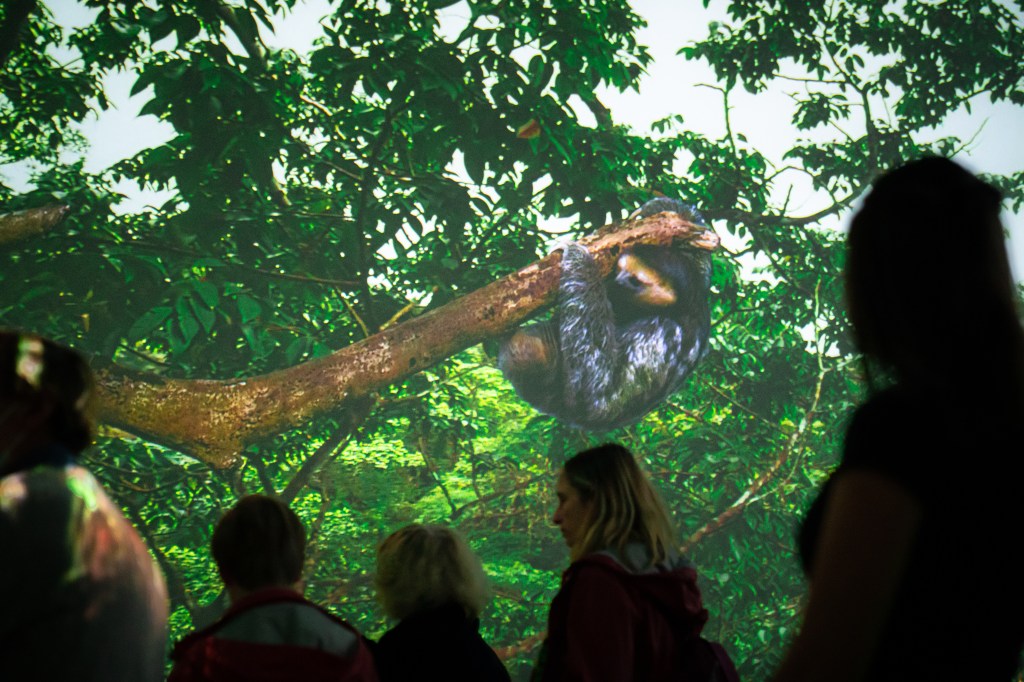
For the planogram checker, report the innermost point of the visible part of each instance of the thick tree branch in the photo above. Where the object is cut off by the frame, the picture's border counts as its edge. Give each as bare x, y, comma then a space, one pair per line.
602, 113
21, 225
215, 420
367, 186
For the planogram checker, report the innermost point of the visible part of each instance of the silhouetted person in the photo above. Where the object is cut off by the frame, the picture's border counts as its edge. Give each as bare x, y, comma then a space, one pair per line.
908, 546
434, 586
270, 633
629, 607
80, 597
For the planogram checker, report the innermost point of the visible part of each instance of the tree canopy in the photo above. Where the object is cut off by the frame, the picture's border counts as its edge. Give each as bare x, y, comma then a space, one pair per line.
324, 202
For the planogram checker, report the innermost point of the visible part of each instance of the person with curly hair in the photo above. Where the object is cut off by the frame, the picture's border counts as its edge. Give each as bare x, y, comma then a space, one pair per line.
430, 581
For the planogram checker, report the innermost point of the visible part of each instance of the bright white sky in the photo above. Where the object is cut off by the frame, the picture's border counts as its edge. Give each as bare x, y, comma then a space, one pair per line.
671, 86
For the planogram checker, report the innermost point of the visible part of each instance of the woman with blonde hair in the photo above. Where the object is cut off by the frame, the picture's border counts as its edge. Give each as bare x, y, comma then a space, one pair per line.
430, 581
629, 607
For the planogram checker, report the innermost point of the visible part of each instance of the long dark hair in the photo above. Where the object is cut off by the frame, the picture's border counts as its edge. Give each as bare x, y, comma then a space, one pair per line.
41, 377
928, 282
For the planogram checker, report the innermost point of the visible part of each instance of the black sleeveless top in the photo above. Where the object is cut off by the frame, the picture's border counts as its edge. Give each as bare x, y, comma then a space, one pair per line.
959, 610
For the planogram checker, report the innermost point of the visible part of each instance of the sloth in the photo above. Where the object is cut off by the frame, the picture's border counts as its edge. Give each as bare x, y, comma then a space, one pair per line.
617, 347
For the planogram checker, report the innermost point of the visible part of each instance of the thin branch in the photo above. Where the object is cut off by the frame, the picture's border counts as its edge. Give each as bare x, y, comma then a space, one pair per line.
748, 495
965, 145
316, 526
799, 79
831, 122
741, 216
327, 451
263, 476
354, 313
522, 647
728, 119
498, 494
274, 274
740, 406
250, 43
177, 589
143, 356
313, 103
438, 481
367, 183
405, 309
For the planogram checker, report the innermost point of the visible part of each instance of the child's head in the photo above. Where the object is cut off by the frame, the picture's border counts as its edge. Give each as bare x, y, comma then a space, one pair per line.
259, 543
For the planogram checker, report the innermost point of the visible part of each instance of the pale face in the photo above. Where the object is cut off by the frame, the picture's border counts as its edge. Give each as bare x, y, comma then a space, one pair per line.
573, 514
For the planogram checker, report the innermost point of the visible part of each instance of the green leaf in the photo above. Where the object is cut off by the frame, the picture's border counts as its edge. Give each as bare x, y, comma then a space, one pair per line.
187, 322
207, 292
162, 28
187, 27
296, 349
248, 308
148, 322
154, 107
475, 162
206, 316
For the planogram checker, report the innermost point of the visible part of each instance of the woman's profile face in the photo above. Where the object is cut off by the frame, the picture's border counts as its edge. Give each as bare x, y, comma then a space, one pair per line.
572, 516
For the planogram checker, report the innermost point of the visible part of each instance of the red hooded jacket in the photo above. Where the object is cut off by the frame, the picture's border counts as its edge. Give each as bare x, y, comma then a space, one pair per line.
608, 623
273, 635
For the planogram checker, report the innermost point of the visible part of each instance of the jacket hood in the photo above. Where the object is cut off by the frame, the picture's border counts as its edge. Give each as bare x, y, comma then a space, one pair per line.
669, 587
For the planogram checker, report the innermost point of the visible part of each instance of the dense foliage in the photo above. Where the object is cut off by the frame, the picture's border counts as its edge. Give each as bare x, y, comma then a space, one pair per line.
318, 198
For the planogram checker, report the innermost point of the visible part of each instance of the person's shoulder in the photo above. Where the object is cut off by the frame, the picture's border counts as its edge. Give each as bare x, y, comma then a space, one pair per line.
904, 434
634, 560
426, 629
37, 499
596, 564
286, 612
895, 415
71, 482
277, 617
189, 647
13, 493
887, 402
15, 486
441, 643
597, 573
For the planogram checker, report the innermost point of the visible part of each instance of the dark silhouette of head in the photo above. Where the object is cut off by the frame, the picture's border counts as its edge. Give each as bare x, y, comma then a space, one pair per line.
928, 281
259, 543
46, 393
